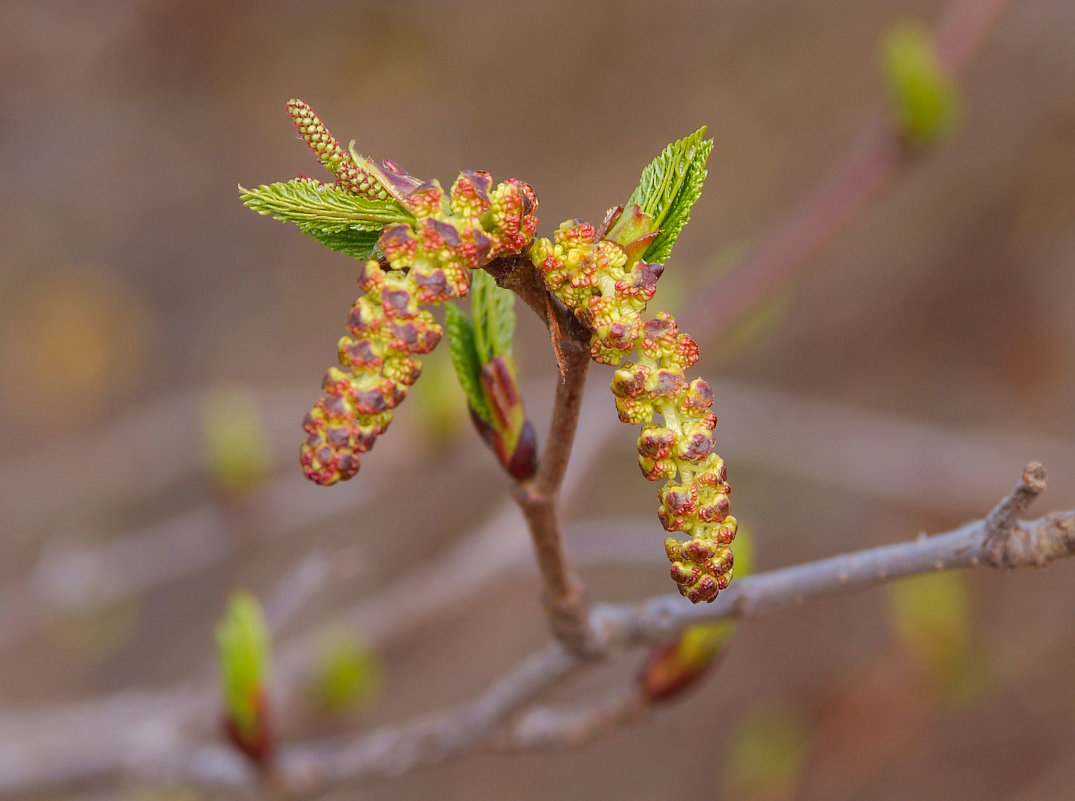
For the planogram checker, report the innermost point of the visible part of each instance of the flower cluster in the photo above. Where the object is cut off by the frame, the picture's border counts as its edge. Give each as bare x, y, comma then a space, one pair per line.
607, 286
424, 263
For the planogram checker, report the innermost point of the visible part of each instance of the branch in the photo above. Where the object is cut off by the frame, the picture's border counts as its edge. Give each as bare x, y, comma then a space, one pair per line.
565, 601
843, 194
392, 750
982, 542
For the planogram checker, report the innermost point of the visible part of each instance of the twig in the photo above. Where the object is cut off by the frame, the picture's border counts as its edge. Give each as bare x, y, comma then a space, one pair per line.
296, 589
1032, 484
565, 601
1040, 542
574, 724
1007, 543
30, 747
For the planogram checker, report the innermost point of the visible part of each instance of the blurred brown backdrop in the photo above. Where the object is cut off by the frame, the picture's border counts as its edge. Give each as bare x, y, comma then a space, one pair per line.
933, 339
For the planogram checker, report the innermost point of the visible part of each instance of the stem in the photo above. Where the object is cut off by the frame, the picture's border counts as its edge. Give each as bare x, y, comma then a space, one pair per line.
538, 497
521, 277
1000, 540
427, 740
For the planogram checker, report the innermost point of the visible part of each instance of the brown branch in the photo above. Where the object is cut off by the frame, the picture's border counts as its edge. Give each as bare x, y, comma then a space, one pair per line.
521, 277
538, 497
564, 598
167, 757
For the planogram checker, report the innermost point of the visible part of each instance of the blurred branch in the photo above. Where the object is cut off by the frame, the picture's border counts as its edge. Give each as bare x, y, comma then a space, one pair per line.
574, 724
32, 760
843, 194
818, 439
76, 577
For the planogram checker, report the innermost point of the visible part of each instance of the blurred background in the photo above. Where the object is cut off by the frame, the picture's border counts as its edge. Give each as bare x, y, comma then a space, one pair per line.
159, 345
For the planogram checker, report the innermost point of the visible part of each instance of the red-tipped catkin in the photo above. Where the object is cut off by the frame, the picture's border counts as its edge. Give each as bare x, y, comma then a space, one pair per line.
425, 263
608, 289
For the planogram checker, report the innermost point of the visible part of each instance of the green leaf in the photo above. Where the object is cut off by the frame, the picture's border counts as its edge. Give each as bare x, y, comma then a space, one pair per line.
467, 361
361, 244
243, 650
348, 674
931, 614
668, 189
333, 216
494, 316
924, 99
236, 443
766, 753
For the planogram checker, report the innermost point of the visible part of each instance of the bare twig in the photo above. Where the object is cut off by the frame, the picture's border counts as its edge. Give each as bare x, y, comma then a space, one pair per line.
1041, 541
538, 497
575, 724
297, 588
1032, 484
30, 748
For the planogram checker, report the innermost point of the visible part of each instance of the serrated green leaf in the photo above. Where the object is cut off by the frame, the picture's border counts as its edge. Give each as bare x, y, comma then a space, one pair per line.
466, 360
923, 98
243, 651
326, 207
669, 187
361, 244
494, 316
333, 216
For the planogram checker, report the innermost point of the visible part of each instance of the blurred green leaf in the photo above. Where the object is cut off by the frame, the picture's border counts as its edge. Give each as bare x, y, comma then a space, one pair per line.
467, 361
440, 406
924, 99
348, 674
668, 188
236, 442
743, 548
931, 614
672, 668
243, 651
766, 753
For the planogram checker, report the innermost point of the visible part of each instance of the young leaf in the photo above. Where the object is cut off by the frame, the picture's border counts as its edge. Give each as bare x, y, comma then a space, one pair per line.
493, 309
359, 243
243, 649
348, 674
335, 217
236, 443
467, 361
668, 189
767, 752
923, 97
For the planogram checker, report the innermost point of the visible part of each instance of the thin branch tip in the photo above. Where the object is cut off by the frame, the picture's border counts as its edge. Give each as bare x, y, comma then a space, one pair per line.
1006, 543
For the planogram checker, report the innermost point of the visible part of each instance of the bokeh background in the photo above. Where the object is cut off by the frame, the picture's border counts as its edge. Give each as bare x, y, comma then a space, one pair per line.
151, 330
